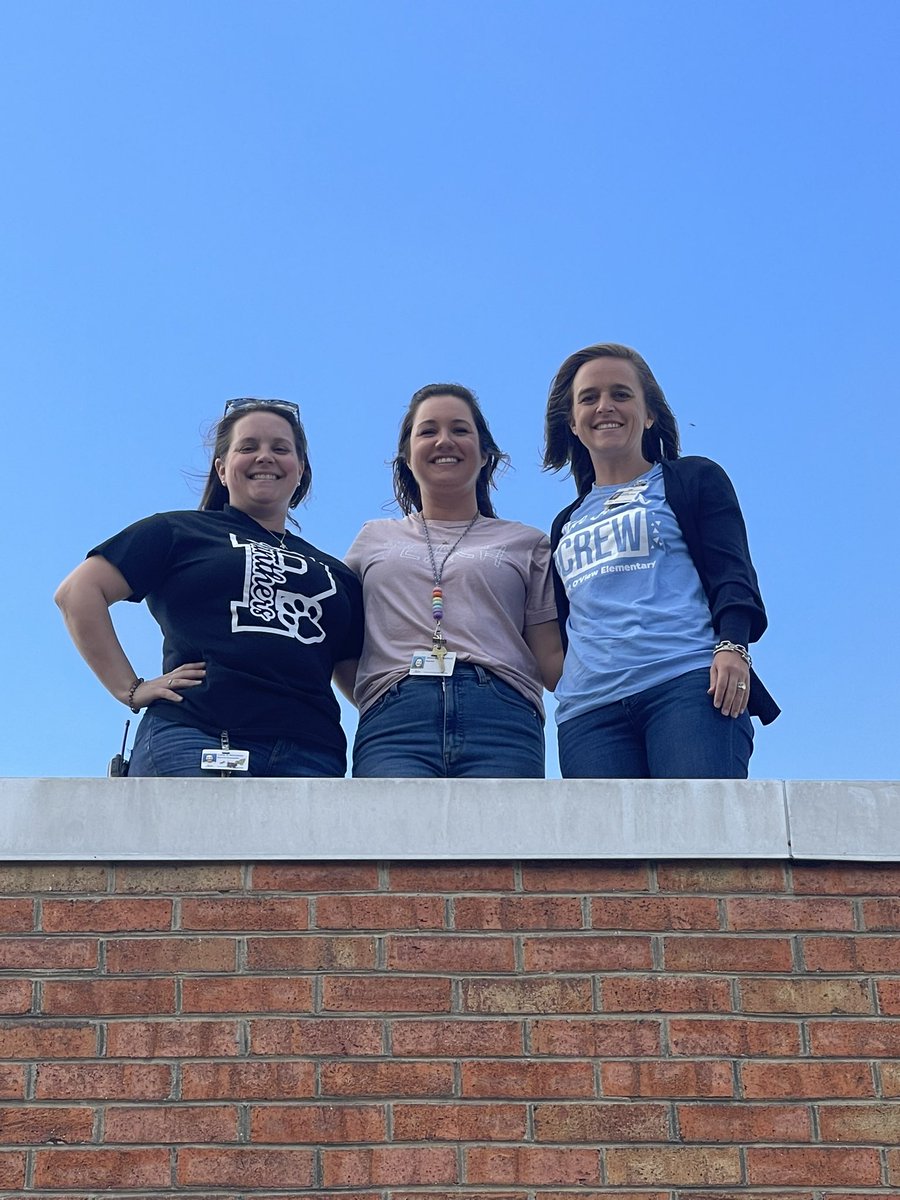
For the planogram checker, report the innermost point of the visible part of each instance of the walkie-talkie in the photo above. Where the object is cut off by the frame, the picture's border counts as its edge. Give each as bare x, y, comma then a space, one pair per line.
118, 764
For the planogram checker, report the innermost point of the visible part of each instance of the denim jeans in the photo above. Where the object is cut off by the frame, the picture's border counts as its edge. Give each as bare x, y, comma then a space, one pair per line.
470, 724
166, 748
671, 731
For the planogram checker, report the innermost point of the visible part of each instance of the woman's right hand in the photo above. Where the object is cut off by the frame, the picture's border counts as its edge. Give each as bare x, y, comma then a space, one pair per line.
188, 675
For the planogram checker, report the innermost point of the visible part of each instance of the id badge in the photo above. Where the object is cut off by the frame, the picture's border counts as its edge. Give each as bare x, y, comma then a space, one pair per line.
225, 760
627, 495
426, 662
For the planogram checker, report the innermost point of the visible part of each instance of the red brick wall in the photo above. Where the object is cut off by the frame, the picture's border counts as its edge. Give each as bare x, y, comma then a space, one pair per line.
512, 1031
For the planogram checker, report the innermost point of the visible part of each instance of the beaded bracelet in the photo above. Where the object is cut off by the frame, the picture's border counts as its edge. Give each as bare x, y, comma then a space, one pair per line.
134, 687
741, 650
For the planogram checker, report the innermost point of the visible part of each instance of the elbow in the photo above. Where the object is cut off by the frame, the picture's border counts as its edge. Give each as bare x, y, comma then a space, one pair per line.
61, 597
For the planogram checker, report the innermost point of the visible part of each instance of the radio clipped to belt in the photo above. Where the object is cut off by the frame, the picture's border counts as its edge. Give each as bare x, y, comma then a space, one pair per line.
118, 764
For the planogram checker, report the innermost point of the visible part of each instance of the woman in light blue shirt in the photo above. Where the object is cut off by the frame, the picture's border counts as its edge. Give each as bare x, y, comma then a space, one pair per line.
656, 593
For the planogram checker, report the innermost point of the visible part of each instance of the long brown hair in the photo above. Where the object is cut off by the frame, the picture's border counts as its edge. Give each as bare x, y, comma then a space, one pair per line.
561, 446
215, 494
407, 491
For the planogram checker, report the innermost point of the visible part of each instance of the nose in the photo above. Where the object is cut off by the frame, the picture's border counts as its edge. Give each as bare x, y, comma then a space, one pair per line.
444, 436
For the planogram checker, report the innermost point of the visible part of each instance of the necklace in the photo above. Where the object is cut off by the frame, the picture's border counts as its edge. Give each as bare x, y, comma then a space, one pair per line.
438, 644
279, 537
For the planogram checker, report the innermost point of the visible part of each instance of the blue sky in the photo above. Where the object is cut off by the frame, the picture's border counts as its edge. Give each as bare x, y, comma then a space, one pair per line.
337, 203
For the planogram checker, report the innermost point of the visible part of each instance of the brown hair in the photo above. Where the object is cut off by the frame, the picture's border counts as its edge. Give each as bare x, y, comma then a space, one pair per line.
215, 494
406, 490
562, 447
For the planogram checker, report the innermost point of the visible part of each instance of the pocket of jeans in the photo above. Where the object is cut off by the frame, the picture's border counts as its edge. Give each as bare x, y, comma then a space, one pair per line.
513, 697
382, 702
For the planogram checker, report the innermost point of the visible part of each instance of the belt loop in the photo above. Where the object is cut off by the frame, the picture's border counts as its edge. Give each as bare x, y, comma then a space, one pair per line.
481, 675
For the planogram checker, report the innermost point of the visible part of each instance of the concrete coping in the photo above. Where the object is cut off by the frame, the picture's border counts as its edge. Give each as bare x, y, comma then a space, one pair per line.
79, 820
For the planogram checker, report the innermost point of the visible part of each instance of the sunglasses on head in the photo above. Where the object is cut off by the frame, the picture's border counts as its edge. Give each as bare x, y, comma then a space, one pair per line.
288, 407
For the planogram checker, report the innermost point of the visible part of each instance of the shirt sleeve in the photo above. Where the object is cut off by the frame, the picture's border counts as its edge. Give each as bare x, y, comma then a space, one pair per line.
732, 588
356, 556
540, 604
141, 552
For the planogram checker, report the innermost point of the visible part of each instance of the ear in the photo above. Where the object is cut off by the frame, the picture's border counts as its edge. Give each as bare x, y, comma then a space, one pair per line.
220, 471
650, 422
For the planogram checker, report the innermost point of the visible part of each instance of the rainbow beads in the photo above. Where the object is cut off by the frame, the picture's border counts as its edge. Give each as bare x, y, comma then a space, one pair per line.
437, 604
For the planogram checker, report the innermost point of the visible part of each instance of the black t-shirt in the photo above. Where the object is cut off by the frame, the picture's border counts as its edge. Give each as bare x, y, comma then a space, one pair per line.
270, 624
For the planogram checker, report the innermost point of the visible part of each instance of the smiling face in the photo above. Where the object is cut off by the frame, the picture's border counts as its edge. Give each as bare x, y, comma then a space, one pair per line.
609, 418
261, 468
445, 454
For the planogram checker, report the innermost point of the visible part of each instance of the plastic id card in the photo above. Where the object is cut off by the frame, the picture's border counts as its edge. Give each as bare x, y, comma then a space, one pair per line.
426, 662
225, 760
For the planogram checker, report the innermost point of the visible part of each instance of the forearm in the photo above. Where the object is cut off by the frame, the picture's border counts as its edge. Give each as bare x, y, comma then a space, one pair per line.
84, 598
544, 643
91, 629
727, 572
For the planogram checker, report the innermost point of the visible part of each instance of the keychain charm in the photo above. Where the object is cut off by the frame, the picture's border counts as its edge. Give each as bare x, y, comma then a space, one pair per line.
439, 648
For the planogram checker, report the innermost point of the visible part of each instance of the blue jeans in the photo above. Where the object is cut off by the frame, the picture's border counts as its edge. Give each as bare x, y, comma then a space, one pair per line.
166, 748
470, 724
671, 731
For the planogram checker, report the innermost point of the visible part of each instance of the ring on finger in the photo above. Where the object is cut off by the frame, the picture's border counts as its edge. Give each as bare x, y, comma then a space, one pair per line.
742, 687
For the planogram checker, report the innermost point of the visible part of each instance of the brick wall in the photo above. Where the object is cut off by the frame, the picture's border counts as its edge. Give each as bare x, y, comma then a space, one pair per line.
413, 1031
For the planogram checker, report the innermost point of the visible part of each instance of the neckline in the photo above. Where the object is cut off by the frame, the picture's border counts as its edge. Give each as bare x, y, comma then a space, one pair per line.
473, 521
279, 537
615, 487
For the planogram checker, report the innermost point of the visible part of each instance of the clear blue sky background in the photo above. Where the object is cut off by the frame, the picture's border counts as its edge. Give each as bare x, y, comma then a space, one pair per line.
339, 202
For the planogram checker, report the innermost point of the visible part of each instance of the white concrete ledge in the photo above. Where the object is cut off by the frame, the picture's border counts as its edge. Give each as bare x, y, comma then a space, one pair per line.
857, 821
394, 819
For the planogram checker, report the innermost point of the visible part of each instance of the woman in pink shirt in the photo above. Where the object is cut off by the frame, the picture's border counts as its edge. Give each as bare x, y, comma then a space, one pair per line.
461, 634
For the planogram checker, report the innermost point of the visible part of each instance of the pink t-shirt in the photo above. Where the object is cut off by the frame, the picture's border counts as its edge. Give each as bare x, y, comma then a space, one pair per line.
496, 582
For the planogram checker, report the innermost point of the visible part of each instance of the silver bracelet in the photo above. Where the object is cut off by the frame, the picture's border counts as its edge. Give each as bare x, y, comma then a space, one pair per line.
741, 650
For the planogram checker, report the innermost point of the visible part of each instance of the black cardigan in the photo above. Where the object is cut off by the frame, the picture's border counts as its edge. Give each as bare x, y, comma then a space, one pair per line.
706, 508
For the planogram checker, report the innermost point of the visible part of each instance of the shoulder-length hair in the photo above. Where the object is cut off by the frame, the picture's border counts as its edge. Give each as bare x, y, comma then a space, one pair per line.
561, 446
215, 494
407, 491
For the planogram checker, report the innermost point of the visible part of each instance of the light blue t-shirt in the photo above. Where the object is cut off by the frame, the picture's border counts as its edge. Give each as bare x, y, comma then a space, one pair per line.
638, 614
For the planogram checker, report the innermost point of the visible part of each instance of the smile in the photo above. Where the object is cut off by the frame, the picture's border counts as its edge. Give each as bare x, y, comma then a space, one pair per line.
264, 475
445, 459
608, 425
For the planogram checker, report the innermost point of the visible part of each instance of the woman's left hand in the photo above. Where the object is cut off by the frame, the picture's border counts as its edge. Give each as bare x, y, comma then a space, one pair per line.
729, 683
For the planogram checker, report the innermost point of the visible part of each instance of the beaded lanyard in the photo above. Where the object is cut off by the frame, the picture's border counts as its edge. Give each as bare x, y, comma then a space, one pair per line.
438, 642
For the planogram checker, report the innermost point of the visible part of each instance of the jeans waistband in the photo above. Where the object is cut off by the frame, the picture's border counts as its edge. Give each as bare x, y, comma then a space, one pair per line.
481, 674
